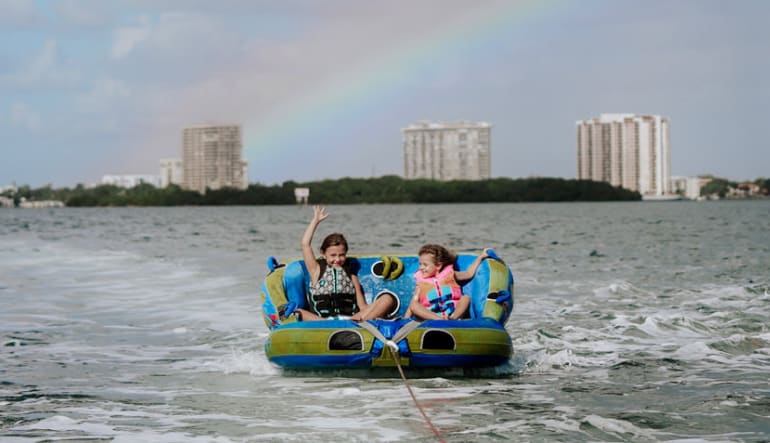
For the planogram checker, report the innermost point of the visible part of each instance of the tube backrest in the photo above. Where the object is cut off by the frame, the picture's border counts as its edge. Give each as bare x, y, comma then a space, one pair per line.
296, 281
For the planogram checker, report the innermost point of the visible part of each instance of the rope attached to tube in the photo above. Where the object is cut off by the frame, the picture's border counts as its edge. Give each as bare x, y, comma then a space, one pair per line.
392, 346
409, 388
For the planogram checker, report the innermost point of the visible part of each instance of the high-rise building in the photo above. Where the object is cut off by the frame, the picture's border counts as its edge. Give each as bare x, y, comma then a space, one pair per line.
171, 172
625, 150
211, 158
447, 150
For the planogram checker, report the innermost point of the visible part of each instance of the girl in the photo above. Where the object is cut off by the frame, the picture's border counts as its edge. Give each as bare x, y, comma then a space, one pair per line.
334, 286
438, 294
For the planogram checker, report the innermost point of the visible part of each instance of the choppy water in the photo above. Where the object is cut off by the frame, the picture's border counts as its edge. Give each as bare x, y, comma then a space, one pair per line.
634, 322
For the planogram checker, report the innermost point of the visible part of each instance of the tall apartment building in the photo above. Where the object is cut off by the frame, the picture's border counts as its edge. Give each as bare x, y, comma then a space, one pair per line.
211, 158
447, 150
626, 150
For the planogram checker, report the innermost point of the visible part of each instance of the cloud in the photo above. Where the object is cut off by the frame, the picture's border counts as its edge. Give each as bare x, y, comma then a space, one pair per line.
104, 92
19, 13
174, 35
24, 117
199, 66
88, 15
137, 71
43, 69
128, 38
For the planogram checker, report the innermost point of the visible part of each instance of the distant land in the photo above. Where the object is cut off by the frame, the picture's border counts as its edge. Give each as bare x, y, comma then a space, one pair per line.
386, 189
380, 190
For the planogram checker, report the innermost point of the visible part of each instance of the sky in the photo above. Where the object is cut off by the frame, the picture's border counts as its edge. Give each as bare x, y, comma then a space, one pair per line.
322, 89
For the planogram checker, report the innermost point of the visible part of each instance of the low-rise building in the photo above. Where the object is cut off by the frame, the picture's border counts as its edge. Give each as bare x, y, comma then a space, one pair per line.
12, 188
28, 204
746, 189
171, 172
302, 195
129, 181
687, 187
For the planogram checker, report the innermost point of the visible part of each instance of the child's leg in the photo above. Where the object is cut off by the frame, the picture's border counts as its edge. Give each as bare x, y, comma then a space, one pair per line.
306, 315
420, 311
379, 308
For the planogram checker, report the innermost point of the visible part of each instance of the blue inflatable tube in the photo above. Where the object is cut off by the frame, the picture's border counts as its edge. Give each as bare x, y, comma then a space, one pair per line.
480, 341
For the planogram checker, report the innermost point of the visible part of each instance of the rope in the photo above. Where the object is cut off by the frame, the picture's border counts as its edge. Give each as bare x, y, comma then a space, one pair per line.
393, 348
409, 388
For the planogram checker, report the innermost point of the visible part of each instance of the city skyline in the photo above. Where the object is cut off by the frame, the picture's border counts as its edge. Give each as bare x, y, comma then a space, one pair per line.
322, 89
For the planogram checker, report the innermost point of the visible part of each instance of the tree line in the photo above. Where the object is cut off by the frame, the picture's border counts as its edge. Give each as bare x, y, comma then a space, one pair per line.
721, 187
386, 189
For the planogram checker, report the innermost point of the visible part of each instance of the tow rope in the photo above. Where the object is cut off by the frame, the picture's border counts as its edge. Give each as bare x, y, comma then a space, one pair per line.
392, 346
409, 388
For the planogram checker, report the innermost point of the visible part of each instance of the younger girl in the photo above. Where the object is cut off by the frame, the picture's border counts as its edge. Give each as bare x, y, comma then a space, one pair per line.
438, 294
334, 286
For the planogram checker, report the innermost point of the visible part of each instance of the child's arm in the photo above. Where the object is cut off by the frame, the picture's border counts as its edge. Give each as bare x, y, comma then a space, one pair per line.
471, 271
319, 215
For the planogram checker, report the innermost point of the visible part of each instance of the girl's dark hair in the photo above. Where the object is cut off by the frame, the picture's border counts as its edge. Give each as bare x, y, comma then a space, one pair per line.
443, 255
335, 239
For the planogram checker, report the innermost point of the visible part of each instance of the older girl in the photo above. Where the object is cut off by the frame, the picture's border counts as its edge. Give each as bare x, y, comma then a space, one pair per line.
334, 286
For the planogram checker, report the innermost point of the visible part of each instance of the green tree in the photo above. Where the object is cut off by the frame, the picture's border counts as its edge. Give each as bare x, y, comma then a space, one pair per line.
718, 186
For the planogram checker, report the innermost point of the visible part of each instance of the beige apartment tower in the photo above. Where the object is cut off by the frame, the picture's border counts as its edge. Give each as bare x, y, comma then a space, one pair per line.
625, 150
211, 158
447, 150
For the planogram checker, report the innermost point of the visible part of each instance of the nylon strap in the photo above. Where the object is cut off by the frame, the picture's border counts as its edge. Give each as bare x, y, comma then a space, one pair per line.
397, 337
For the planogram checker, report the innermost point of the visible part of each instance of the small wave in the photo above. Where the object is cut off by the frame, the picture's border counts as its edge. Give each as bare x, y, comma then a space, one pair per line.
696, 351
543, 361
621, 289
61, 423
739, 344
60, 426
620, 428
662, 325
239, 362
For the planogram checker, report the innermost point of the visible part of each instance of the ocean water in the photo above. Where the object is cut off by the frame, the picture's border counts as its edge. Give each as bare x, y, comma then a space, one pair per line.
633, 321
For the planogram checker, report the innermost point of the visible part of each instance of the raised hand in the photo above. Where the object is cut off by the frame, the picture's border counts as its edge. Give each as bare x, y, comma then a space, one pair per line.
319, 214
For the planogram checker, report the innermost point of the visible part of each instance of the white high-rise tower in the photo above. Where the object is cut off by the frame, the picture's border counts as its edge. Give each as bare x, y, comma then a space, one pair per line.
625, 150
447, 150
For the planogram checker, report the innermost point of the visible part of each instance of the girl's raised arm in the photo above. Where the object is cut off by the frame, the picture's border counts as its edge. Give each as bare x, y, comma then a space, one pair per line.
471, 271
319, 215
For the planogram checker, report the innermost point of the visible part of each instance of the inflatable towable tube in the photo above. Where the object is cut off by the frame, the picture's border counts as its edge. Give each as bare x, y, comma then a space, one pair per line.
479, 341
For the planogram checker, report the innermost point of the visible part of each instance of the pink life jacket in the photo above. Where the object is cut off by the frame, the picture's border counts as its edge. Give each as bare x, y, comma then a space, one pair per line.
440, 292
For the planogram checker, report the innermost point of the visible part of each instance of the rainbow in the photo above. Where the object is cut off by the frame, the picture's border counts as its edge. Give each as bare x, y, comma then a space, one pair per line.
369, 87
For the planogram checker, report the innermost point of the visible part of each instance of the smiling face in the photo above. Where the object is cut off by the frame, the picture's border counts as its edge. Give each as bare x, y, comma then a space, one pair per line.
428, 265
335, 255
